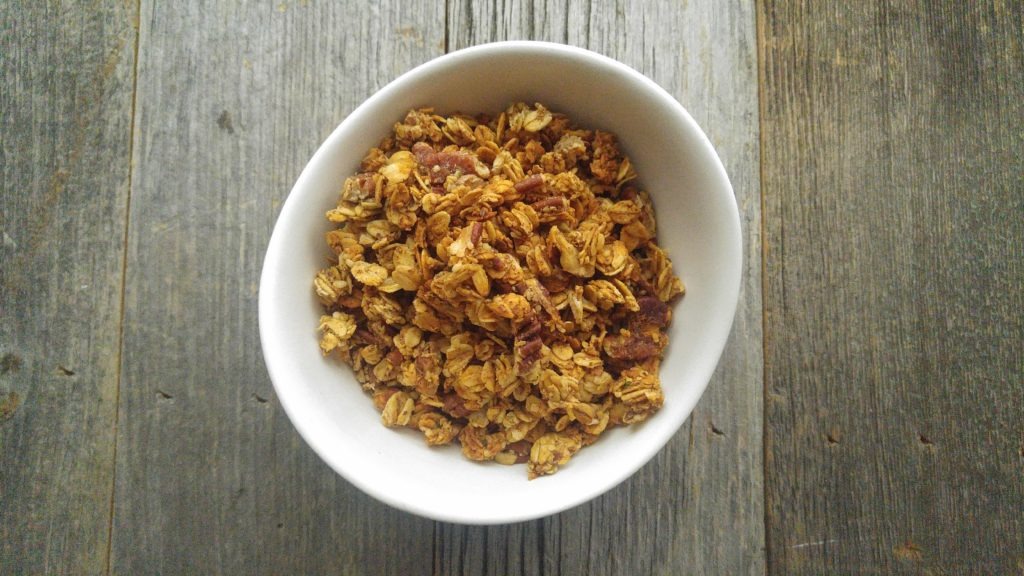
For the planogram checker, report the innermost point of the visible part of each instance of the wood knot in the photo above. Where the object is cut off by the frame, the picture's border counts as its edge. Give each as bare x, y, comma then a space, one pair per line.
10, 363
9, 404
908, 551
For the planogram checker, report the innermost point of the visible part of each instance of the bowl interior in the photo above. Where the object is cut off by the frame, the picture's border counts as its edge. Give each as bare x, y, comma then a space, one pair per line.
698, 225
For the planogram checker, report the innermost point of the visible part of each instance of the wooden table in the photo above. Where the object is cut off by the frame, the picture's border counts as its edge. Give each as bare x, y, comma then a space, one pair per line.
867, 416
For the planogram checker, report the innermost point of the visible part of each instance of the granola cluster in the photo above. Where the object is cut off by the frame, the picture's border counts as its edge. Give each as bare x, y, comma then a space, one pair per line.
497, 282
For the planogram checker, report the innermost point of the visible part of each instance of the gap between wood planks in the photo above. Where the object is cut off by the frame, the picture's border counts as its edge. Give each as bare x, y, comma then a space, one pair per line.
759, 49
124, 279
435, 552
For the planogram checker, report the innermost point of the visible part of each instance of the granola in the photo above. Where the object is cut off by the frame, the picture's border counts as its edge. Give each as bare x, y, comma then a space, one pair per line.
496, 281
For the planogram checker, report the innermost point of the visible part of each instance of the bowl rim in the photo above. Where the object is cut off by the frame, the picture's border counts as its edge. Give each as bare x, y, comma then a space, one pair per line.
274, 254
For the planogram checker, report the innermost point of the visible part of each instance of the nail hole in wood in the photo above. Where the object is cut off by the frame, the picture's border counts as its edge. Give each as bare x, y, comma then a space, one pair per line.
224, 122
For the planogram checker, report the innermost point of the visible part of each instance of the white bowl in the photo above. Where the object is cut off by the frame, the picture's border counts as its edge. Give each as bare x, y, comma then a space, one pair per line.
698, 225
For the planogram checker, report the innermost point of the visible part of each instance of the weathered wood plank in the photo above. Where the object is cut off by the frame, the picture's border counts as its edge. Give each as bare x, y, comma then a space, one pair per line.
232, 101
65, 131
697, 507
894, 369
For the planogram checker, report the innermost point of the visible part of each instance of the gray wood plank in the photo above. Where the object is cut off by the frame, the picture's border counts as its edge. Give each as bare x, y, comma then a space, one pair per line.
232, 101
65, 131
894, 369
697, 507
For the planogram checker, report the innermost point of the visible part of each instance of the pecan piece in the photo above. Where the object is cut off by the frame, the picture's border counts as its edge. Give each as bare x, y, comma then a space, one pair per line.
531, 183
441, 164
630, 346
652, 312
455, 406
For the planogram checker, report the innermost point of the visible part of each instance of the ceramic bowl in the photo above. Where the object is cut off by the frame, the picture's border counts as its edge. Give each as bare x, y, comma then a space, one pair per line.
698, 224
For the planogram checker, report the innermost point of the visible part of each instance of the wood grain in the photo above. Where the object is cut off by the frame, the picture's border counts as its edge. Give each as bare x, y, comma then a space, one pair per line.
65, 130
696, 508
890, 169
233, 99
893, 206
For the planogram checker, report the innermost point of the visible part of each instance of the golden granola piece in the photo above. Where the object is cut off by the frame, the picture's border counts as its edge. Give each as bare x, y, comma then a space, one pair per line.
640, 393
369, 274
331, 284
536, 119
437, 429
477, 444
605, 165
634, 235
382, 308
335, 330
510, 306
407, 273
397, 410
407, 339
551, 451
497, 280
399, 166
458, 130
612, 258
